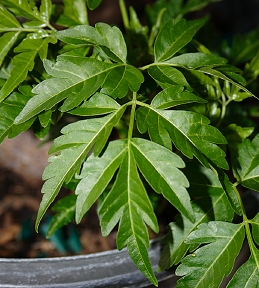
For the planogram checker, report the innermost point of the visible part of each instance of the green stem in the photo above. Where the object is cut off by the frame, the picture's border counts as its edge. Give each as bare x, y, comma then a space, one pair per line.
223, 109
132, 116
245, 221
124, 14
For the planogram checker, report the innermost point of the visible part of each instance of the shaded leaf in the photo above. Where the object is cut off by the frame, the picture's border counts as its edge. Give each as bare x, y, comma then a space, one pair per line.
218, 74
206, 209
92, 4
190, 132
173, 36
174, 96
160, 168
216, 258
194, 5
129, 204
247, 275
65, 209
248, 163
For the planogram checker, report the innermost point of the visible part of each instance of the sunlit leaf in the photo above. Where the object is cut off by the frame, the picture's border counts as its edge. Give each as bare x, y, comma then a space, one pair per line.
190, 132
173, 36
128, 204
75, 144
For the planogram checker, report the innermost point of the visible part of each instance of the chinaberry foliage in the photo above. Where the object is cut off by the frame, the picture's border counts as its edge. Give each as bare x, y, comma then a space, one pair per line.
178, 102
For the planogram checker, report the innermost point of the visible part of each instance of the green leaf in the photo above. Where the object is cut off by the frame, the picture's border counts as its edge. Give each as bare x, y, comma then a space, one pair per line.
218, 74
247, 275
196, 60
9, 109
128, 203
194, 5
22, 8
232, 193
174, 96
127, 77
174, 36
22, 63
65, 209
96, 174
45, 10
92, 4
160, 168
98, 104
211, 204
75, 13
248, 163
168, 75
75, 144
216, 258
7, 19
6, 43
109, 39
72, 76
190, 132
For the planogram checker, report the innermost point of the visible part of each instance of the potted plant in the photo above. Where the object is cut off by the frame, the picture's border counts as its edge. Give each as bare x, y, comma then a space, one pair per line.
151, 109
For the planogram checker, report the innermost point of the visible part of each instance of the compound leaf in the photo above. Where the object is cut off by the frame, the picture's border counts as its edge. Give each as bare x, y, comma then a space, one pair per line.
248, 163
76, 79
173, 36
212, 204
190, 132
75, 144
160, 168
65, 209
128, 204
216, 258
96, 174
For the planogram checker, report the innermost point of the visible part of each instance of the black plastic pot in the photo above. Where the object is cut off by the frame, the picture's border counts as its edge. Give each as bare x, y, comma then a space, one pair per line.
105, 269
